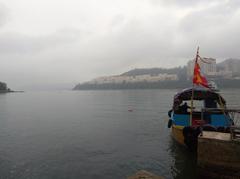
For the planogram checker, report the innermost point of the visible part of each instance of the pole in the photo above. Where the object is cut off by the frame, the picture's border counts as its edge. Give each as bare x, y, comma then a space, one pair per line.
191, 112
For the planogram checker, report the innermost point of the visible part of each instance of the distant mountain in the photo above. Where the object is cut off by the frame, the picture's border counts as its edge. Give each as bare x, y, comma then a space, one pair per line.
151, 71
99, 83
129, 79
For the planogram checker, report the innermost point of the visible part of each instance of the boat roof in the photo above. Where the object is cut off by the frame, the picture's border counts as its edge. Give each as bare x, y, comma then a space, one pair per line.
198, 94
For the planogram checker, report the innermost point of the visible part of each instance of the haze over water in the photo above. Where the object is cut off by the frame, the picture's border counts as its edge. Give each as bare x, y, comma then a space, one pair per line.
91, 134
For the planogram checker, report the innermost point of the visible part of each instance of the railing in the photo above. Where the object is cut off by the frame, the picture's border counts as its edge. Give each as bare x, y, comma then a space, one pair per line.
235, 133
233, 113
220, 109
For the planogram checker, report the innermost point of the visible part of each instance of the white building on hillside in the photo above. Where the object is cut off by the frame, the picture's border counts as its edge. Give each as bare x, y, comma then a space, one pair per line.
134, 79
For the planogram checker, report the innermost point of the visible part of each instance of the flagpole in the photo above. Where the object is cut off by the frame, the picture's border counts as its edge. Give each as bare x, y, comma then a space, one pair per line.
191, 112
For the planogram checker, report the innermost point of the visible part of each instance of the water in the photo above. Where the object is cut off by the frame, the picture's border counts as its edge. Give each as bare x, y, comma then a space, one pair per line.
91, 134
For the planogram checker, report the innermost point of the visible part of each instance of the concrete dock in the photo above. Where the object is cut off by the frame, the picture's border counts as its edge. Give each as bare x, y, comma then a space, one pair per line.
219, 154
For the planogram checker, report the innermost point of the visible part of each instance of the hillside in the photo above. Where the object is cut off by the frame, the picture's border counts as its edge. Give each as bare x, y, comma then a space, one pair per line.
151, 71
3, 87
180, 71
230, 64
227, 75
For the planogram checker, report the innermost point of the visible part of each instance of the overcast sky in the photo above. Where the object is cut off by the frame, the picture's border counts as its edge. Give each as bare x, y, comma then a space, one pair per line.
64, 42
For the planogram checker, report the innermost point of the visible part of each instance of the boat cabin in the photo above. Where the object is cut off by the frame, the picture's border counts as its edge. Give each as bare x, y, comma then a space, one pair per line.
208, 109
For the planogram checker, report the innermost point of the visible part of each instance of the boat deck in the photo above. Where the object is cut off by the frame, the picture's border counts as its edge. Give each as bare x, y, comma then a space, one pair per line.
216, 135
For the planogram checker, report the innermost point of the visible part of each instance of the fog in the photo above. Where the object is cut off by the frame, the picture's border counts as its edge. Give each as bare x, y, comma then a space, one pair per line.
58, 43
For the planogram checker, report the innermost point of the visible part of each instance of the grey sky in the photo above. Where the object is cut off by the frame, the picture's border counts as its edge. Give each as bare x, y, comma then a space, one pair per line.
63, 42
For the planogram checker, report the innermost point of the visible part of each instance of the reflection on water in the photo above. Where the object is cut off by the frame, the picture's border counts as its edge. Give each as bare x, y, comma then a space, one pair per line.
184, 161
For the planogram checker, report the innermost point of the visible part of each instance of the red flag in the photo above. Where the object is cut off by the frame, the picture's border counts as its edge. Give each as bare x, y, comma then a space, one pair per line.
198, 79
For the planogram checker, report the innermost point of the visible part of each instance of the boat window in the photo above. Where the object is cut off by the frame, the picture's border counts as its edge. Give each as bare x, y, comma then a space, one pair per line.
198, 105
185, 106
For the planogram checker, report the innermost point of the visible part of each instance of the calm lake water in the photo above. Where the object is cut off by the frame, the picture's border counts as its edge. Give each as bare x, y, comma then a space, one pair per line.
91, 134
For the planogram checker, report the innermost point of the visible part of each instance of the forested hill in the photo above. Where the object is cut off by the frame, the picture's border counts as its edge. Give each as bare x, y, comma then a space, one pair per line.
152, 71
226, 75
3, 87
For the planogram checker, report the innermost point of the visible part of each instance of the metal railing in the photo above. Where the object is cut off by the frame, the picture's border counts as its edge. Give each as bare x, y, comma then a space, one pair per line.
233, 113
235, 133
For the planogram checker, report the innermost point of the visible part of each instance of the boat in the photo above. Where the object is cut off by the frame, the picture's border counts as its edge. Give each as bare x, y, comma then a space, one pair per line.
208, 115
209, 129
207, 126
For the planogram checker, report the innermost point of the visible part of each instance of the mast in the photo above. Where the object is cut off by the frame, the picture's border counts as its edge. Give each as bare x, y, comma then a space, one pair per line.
191, 112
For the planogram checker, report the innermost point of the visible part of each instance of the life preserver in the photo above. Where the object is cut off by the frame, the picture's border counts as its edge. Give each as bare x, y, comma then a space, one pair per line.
170, 123
170, 113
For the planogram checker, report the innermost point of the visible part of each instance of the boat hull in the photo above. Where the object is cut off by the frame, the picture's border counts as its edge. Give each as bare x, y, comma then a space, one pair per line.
177, 134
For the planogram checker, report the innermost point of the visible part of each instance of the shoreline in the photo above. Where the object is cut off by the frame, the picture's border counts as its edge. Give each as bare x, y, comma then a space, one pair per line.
10, 91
